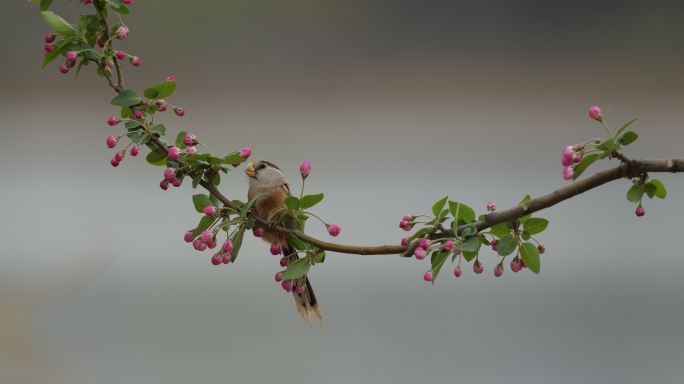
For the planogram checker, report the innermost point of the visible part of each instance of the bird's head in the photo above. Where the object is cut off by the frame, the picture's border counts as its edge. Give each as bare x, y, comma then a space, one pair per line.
264, 174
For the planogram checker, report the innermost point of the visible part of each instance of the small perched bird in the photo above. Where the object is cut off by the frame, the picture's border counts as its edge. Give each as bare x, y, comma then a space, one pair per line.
269, 182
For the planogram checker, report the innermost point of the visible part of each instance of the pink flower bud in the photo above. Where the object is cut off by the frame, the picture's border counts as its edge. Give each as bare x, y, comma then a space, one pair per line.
407, 218
216, 259
135, 61
427, 276
199, 245
257, 231
113, 120
64, 69
424, 243
135, 150
568, 173
119, 156
245, 152
576, 158
334, 229
209, 210
112, 141
227, 259
279, 277
122, 32
177, 183
405, 242
127, 2
498, 270
86, 2
595, 113
164, 185
189, 237
227, 246
173, 153
495, 245
568, 151
191, 150
50, 37
49, 47
138, 115
478, 268
206, 236
120, 55
171, 78
491, 206
420, 253
100, 43
305, 168
287, 286
211, 244
276, 249
566, 161
180, 111
72, 55
516, 265
284, 262
640, 211
170, 174
190, 139
405, 225
115, 163
162, 106
457, 271
449, 245
299, 289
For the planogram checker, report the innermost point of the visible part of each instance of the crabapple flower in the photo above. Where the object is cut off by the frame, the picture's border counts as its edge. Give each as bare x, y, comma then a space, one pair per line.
190, 139
420, 253
276, 249
334, 229
112, 141
478, 268
120, 55
595, 113
189, 237
449, 245
287, 286
457, 271
49, 38
191, 150
135, 61
171, 78
640, 211
568, 173
257, 231
71, 55
207, 236
173, 153
227, 246
498, 270
122, 32
491, 206
113, 120
305, 168
63, 69
279, 277
245, 152
170, 174
427, 276
179, 111
209, 210
135, 150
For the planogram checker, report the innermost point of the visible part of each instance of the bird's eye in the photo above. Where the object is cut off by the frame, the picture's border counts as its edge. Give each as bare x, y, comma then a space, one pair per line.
262, 166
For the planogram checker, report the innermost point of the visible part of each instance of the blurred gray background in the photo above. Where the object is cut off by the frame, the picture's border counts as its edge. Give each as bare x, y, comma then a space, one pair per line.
396, 103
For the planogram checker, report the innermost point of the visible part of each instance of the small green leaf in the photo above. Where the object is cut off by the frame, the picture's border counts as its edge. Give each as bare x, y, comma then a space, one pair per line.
608, 145
660, 192
159, 128
196, 180
627, 124
126, 98
461, 212
500, 230
506, 246
530, 255
233, 158
628, 138
469, 256
635, 193
45, 4
292, 203
161, 90
535, 225
296, 242
246, 207
204, 223
57, 24
309, 201
472, 244
157, 157
584, 164
200, 201
437, 260
297, 269
237, 243
439, 205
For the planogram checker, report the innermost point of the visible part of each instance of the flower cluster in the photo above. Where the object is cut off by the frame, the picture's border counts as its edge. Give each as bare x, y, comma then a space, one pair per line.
571, 156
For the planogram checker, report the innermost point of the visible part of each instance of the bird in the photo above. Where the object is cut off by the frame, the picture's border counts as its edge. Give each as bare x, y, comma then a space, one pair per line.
268, 184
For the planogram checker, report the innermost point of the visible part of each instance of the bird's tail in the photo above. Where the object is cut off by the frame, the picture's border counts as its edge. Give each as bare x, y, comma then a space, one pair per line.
305, 301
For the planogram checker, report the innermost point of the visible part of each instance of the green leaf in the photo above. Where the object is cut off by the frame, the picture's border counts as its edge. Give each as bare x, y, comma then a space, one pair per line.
461, 212
660, 192
468, 231
437, 260
200, 201
439, 205
179, 140
246, 207
506, 246
297, 269
500, 230
233, 158
635, 193
159, 128
608, 145
196, 180
204, 223
628, 138
157, 157
530, 255
161, 90
114, 3
126, 98
57, 24
237, 243
627, 124
309, 201
45, 4
292, 203
472, 244
584, 164
123, 10
469, 256
296, 242
535, 225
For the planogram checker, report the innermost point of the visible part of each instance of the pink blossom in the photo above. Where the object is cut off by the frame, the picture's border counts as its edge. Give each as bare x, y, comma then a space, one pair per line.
122, 32
173, 153
284, 262
279, 277
171, 78
516, 265
449, 245
120, 55
180, 111
227, 246
498, 270
424, 243
405, 242
119, 156
190, 139
276, 249
127, 2
299, 289
216, 259
206, 236
227, 259
199, 245
287, 286
491, 206
568, 173
209, 210
305, 168
245, 152
457, 271
257, 231
478, 268
113, 120
595, 113
189, 237
164, 185
135, 150
334, 229
420, 253
135, 61
138, 115
191, 150
49, 38
49, 47
170, 174
72, 55
162, 106
177, 183
63, 69
640, 211
112, 141
427, 276
115, 163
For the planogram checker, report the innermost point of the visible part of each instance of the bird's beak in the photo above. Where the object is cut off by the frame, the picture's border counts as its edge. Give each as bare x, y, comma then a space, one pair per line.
249, 171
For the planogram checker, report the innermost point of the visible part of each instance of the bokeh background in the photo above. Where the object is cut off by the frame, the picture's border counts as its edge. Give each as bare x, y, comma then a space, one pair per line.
396, 103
